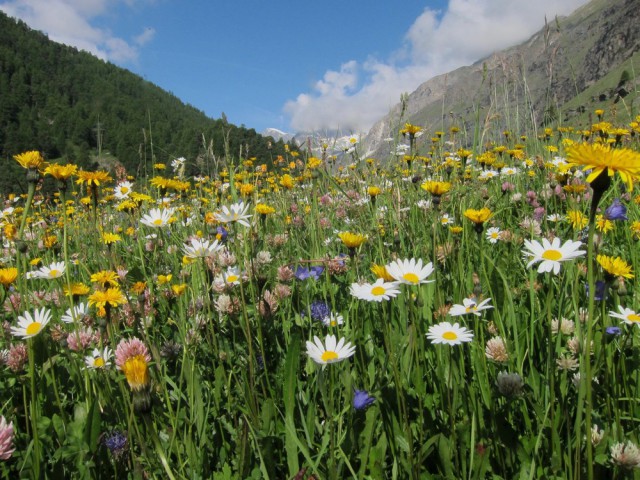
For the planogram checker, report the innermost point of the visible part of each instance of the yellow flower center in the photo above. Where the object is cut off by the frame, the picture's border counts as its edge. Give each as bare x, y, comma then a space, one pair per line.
553, 255
472, 308
450, 336
378, 290
232, 278
98, 362
411, 277
329, 356
124, 189
157, 221
54, 273
33, 328
633, 318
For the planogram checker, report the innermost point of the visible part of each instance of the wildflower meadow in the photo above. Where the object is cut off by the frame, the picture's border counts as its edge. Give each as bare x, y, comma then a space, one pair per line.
465, 308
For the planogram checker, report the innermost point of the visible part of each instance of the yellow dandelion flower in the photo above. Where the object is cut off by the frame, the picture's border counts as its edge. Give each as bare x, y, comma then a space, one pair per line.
102, 298
603, 224
352, 240
615, 266
110, 238
598, 158
30, 160
8, 276
105, 277
436, 188
380, 271
578, 219
92, 178
77, 289
61, 172
478, 216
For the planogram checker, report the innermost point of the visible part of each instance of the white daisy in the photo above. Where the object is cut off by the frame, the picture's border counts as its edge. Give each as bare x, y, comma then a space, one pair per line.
410, 272
333, 320
235, 213
331, 351
493, 234
444, 332
123, 190
550, 254
55, 270
627, 315
99, 359
232, 276
508, 171
470, 305
78, 312
555, 217
487, 175
376, 292
446, 219
201, 248
30, 326
157, 217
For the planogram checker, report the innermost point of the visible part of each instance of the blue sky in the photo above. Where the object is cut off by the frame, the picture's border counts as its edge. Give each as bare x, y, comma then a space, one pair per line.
291, 65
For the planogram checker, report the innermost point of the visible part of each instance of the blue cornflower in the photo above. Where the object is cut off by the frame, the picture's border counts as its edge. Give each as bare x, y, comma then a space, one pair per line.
617, 211
221, 234
303, 273
601, 290
117, 443
613, 331
319, 310
361, 399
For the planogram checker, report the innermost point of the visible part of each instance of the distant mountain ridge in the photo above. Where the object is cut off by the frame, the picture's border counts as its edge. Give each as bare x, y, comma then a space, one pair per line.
531, 84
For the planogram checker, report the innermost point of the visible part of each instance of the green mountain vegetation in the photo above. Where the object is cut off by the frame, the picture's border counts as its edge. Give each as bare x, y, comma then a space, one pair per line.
77, 108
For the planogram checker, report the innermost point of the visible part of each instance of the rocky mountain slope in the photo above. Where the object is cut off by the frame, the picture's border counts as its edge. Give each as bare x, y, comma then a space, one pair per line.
527, 86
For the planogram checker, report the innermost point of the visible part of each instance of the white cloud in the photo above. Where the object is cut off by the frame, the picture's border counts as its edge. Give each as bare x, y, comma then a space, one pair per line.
358, 94
70, 22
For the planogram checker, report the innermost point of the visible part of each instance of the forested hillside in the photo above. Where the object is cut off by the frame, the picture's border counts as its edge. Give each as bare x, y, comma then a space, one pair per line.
65, 102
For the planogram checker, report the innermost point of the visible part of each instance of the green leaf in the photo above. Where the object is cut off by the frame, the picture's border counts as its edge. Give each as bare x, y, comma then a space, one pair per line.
292, 365
92, 426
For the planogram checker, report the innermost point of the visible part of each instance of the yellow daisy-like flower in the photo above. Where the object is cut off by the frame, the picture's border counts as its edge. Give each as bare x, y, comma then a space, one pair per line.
410, 129
373, 191
478, 216
8, 276
30, 160
598, 158
635, 229
380, 271
352, 240
578, 219
105, 277
136, 370
61, 172
287, 181
603, 224
179, 289
264, 209
77, 289
164, 279
92, 178
138, 287
101, 298
110, 238
615, 266
436, 188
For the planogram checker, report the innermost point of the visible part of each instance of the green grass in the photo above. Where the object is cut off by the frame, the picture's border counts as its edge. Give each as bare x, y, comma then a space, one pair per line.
231, 391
